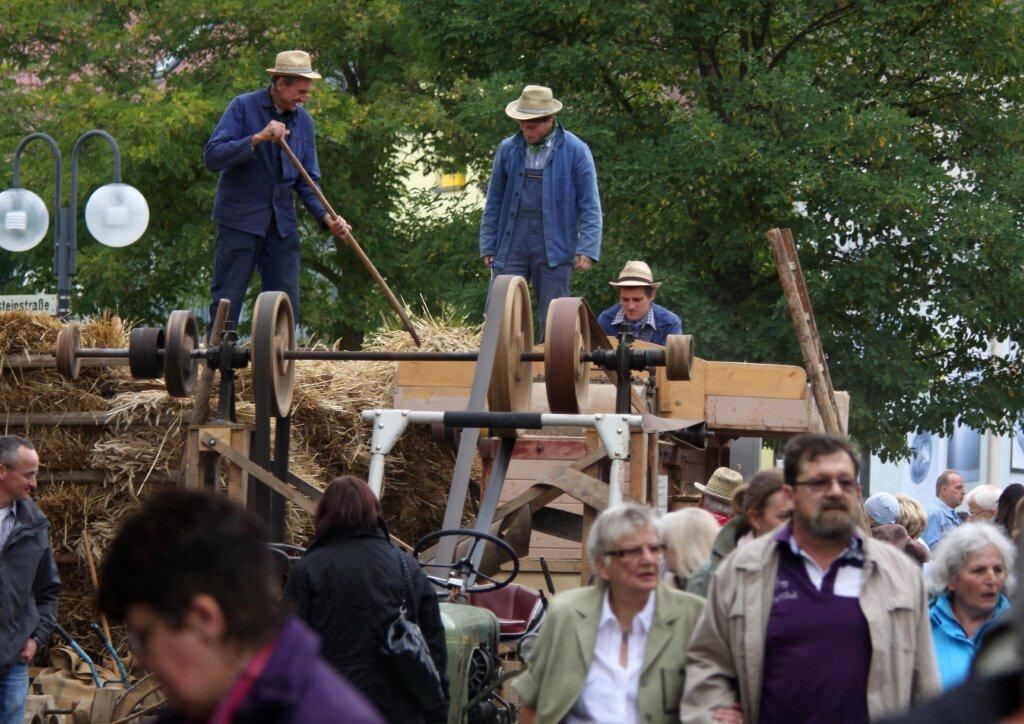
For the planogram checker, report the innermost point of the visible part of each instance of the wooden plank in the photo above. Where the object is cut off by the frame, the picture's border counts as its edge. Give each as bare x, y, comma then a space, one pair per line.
97, 418
49, 362
98, 477
259, 473
636, 480
548, 448
416, 373
237, 478
759, 415
742, 379
431, 398
683, 400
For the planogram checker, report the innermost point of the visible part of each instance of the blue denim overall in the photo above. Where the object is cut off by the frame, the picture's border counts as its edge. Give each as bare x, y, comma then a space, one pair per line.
526, 254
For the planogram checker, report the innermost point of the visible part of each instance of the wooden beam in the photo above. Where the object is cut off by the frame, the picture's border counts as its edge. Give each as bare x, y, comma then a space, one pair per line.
49, 362
97, 418
265, 476
49, 477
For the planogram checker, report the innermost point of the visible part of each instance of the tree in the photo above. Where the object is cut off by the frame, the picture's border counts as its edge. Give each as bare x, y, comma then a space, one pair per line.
886, 135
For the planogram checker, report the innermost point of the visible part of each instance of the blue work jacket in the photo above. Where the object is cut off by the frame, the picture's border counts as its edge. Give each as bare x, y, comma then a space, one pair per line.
570, 203
257, 184
665, 323
954, 651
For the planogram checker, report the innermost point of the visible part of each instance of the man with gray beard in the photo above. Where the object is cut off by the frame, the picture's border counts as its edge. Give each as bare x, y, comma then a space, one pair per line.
815, 622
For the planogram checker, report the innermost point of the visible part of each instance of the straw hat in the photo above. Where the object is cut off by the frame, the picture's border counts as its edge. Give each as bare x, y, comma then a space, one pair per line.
295, 63
536, 101
722, 483
636, 274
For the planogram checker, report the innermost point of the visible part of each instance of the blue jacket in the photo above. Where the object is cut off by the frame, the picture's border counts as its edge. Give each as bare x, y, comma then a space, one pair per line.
570, 202
255, 185
953, 650
665, 323
941, 520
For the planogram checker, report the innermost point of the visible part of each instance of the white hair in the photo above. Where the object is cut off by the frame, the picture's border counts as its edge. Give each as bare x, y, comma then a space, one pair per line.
985, 497
690, 534
961, 543
614, 523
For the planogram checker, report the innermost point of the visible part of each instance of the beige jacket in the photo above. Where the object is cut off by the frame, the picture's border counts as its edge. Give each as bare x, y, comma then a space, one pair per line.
727, 649
559, 661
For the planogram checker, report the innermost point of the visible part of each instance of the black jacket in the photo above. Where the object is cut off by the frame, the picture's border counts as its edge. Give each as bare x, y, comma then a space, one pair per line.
29, 584
348, 588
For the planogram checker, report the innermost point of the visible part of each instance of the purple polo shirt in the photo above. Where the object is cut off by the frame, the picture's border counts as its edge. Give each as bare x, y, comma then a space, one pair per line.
818, 645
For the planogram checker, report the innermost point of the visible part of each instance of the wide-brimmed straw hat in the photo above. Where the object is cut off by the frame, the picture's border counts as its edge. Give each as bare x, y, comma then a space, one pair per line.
536, 101
636, 274
722, 484
294, 63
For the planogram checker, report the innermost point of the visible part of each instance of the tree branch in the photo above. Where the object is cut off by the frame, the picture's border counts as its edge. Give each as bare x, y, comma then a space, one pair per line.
829, 18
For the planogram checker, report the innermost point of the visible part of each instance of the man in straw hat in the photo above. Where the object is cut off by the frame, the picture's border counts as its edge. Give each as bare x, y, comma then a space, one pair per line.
716, 496
636, 311
254, 208
542, 217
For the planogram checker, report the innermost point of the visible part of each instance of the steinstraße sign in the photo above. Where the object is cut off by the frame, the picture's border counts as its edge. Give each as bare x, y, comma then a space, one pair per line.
46, 303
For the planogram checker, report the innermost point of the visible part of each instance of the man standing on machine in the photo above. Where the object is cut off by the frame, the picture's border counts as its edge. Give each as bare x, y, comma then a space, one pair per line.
254, 208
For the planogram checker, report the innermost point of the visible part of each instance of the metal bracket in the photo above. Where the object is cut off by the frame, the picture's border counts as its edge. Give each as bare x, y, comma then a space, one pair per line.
614, 433
388, 426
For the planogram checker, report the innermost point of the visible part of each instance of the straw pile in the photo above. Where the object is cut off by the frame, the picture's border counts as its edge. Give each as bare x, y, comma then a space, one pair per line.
144, 443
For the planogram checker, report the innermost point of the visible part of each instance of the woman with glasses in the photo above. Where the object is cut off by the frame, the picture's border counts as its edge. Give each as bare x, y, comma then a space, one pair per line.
613, 651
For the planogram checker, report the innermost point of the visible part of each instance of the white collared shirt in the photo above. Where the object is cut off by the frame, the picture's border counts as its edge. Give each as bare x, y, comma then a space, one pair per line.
849, 577
610, 694
7, 520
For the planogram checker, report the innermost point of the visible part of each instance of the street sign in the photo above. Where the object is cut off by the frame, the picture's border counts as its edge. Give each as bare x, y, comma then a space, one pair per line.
46, 303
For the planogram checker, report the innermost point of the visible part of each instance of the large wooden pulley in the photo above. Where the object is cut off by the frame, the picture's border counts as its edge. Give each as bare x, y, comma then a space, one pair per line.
181, 337
566, 340
145, 353
678, 356
273, 333
512, 377
69, 339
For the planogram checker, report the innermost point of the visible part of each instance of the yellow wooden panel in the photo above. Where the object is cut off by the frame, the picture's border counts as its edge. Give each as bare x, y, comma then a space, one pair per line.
741, 379
683, 400
414, 373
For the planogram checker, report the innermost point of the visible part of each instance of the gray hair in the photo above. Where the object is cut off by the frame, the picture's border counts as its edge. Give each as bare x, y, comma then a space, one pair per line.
614, 523
961, 543
9, 447
985, 497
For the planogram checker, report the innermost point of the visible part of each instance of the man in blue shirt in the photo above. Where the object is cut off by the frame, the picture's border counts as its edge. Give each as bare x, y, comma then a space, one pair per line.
254, 208
542, 216
942, 518
636, 311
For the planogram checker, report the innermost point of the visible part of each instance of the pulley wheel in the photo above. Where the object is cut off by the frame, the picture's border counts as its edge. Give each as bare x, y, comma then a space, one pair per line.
69, 340
182, 337
273, 333
566, 339
512, 378
144, 358
678, 356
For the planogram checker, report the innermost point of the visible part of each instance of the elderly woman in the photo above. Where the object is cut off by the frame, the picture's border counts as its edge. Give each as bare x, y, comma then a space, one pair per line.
349, 586
970, 570
690, 533
614, 651
761, 505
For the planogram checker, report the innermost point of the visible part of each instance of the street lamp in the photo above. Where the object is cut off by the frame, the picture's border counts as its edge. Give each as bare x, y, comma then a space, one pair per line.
116, 214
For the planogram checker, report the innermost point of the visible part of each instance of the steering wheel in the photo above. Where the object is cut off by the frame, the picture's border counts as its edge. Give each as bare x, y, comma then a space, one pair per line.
465, 565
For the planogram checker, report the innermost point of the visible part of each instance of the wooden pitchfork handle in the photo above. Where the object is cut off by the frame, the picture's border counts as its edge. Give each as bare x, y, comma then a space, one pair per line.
352, 243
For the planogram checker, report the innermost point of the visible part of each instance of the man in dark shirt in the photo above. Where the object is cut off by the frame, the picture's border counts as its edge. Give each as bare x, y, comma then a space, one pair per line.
254, 208
636, 311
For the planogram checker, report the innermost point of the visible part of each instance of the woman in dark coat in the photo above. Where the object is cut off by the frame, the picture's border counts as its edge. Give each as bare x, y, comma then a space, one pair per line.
349, 586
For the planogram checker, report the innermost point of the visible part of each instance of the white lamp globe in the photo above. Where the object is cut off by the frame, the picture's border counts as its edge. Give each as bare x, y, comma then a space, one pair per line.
23, 219
116, 214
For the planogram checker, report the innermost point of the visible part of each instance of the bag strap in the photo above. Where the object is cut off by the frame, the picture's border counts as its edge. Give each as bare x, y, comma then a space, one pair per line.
406, 585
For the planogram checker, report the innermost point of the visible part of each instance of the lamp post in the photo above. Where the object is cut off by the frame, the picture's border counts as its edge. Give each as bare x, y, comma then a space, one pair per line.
116, 214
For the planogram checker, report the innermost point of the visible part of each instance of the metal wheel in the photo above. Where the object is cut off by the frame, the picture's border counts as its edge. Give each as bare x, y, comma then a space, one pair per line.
566, 339
182, 337
512, 378
678, 356
273, 333
69, 340
144, 358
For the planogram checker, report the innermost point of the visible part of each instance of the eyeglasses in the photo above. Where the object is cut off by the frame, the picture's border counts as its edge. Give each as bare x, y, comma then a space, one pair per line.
635, 553
824, 482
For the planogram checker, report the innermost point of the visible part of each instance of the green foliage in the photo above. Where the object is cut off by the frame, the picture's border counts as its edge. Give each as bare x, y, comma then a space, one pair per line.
887, 135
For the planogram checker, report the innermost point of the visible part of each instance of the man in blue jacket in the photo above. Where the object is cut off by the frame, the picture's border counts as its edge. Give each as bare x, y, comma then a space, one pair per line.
29, 583
636, 311
542, 217
254, 208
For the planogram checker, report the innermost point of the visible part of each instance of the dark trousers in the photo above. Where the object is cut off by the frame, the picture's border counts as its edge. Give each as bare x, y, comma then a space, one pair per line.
239, 252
